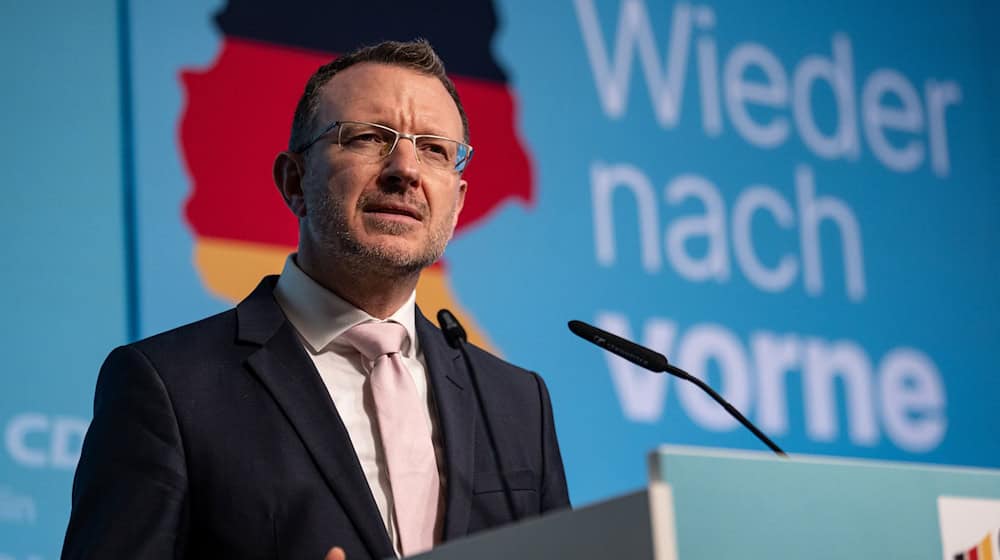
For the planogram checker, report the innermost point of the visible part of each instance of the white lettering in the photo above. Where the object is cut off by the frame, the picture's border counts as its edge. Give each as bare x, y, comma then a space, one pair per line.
711, 225
38, 441
640, 392
17, 509
67, 441
939, 96
812, 211
912, 400
700, 345
773, 93
604, 180
839, 74
879, 118
708, 72
774, 356
755, 88
777, 279
634, 32
16, 438
848, 362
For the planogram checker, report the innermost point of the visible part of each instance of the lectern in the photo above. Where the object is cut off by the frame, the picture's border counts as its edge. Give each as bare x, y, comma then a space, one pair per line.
713, 504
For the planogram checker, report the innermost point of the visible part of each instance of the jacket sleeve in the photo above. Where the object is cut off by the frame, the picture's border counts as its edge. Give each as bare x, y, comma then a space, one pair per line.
129, 493
555, 494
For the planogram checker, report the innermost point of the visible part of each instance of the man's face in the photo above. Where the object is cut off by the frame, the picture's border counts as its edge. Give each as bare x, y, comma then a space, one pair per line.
393, 215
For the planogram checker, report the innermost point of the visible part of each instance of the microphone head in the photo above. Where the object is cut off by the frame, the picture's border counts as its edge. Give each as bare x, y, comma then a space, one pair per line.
452, 329
639, 355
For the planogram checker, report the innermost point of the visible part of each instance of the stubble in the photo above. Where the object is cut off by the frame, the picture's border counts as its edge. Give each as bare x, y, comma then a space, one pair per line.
331, 227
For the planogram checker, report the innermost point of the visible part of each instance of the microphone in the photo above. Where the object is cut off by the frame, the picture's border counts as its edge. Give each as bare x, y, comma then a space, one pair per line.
657, 363
639, 355
452, 329
454, 333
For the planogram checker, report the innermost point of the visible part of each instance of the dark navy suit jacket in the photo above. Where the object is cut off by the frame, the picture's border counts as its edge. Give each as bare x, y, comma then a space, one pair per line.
220, 440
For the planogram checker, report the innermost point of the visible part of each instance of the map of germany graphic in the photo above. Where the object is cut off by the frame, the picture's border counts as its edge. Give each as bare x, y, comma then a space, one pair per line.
238, 112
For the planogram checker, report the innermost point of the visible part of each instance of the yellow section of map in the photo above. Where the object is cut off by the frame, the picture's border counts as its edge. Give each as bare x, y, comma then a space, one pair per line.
231, 270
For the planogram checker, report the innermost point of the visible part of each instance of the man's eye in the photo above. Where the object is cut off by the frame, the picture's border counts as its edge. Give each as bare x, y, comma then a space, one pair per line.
435, 148
365, 137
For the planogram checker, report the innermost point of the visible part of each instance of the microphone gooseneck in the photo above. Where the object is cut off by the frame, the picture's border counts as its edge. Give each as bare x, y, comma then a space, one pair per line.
456, 337
657, 363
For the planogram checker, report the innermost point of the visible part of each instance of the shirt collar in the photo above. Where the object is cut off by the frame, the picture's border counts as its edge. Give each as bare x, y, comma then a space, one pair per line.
321, 316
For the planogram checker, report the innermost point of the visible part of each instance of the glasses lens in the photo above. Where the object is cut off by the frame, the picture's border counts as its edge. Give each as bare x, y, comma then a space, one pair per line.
366, 139
376, 141
442, 153
463, 157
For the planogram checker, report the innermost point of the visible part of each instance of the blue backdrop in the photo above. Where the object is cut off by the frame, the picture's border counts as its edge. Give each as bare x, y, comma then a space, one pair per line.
796, 201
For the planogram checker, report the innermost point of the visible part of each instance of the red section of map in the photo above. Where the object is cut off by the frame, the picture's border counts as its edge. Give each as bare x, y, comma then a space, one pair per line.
237, 118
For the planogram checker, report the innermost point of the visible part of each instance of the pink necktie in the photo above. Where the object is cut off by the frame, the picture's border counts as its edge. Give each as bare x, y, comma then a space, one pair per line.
406, 439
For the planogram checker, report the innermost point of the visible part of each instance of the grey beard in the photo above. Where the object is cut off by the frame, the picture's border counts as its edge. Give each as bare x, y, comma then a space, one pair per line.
330, 226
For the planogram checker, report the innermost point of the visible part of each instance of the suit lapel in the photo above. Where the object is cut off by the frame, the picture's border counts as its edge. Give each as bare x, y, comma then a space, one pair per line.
456, 414
290, 376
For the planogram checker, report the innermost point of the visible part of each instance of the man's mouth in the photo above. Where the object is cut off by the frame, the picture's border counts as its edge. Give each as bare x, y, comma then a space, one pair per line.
389, 210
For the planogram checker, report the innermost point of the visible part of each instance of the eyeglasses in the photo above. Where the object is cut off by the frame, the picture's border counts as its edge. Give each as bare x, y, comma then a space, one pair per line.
375, 141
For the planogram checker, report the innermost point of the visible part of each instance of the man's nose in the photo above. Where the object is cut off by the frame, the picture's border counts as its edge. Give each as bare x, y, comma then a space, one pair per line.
402, 166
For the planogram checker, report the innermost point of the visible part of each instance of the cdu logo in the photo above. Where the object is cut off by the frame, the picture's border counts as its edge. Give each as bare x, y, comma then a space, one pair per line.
985, 550
39, 441
970, 528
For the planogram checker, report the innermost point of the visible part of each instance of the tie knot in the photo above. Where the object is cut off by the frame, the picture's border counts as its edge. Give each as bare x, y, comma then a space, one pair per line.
374, 340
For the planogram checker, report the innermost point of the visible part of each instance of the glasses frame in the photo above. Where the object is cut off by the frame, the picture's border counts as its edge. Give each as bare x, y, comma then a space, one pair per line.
459, 165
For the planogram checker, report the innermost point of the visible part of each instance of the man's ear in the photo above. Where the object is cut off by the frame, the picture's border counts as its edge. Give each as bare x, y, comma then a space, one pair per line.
288, 170
463, 186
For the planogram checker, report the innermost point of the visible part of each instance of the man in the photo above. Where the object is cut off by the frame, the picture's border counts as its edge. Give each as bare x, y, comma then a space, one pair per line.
325, 410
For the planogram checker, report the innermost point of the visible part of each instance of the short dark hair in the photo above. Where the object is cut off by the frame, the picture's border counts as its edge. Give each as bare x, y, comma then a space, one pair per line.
416, 55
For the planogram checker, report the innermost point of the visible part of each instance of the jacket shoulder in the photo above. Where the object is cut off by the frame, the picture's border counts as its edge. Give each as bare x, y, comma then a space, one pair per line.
198, 339
224, 321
